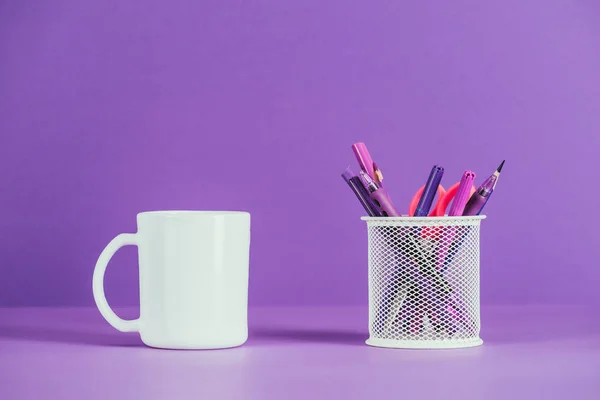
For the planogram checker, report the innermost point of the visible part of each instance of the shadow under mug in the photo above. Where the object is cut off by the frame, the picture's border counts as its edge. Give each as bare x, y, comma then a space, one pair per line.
193, 268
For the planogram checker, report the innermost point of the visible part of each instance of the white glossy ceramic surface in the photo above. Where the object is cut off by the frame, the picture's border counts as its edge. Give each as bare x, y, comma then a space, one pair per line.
194, 269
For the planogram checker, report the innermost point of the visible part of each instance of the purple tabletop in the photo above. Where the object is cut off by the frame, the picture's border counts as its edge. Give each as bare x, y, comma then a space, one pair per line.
300, 353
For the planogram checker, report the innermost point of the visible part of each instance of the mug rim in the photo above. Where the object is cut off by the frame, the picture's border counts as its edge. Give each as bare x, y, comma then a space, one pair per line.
180, 213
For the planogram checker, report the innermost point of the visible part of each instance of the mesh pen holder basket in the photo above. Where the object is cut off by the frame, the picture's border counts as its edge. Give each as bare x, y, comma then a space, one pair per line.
424, 282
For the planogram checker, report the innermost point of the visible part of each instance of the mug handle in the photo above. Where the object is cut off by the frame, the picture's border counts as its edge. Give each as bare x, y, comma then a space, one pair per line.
124, 239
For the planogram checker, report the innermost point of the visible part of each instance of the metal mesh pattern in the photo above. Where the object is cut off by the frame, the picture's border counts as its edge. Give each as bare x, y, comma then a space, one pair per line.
424, 281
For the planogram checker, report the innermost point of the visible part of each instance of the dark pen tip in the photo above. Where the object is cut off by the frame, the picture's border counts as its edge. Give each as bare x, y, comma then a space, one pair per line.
501, 165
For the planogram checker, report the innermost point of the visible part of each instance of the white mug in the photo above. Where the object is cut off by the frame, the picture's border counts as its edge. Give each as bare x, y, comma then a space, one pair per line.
194, 269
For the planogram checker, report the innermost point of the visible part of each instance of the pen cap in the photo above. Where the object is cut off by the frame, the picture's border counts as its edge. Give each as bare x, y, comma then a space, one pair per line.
364, 158
462, 193
433, 181
348, 174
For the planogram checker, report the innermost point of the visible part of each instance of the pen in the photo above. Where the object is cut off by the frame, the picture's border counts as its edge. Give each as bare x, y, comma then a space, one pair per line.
462, 194
433, 181
361, 193
457, 207
474, 206
379, 196
364, 158
483, 193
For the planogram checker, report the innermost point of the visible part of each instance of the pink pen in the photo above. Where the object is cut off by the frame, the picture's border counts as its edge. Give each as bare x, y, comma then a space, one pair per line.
463, 192
364, 158
379, 196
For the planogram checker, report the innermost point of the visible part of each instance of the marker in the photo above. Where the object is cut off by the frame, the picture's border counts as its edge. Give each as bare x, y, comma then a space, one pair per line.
479, 199
431, 186
379, 196
361, 193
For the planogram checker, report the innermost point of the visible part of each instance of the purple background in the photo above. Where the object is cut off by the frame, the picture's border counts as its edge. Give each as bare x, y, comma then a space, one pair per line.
112, 108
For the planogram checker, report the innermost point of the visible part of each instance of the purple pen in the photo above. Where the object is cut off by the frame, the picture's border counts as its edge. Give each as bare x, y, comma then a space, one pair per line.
462, 194
379, 196
361, 193
431, 186
474, 207
483, 193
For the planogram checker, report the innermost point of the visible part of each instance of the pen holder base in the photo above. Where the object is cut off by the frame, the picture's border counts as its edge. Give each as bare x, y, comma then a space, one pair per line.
424, 344
424, 282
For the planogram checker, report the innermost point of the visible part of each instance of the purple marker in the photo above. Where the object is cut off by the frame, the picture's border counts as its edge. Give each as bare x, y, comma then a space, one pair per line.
431, 186
361, 193
379, 196
483, 193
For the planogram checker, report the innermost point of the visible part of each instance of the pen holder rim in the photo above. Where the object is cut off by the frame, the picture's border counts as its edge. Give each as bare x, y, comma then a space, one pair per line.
407, 218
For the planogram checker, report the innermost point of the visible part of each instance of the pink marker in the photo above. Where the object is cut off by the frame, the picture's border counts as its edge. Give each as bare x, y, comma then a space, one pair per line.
364, 158
462, 192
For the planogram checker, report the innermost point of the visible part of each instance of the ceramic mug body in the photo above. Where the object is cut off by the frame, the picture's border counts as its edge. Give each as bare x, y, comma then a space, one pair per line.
194, 269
